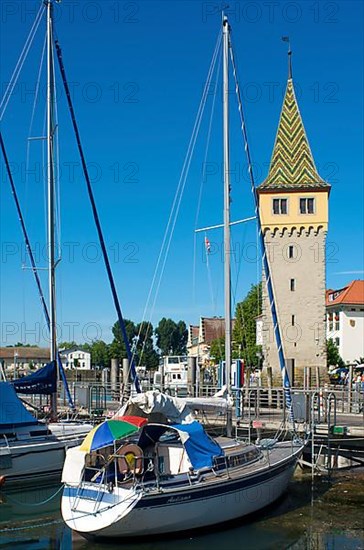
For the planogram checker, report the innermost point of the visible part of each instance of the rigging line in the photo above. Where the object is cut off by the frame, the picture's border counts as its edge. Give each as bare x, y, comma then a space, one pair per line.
180, 187
56, 169
185, 174
44, 174
209, 278
27, 162
32, 261
271, 294
239, 263
187, 160
96, 219
18, 67
37, 86
203, 178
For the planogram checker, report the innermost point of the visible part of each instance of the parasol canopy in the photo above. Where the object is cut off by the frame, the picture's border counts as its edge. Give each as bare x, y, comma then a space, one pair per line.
109, 431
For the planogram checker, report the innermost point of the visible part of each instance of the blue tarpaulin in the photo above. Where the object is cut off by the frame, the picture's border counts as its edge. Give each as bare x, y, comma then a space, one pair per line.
12, 410
200, 447
43, 381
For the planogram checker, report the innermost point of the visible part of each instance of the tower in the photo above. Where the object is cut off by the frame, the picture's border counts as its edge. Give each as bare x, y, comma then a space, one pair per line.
293, 206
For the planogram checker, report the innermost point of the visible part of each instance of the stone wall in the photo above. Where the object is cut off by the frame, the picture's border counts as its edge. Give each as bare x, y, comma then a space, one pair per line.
299, 284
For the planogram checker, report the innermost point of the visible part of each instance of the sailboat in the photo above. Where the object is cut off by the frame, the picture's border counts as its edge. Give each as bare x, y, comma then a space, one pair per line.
32, 451
168, 475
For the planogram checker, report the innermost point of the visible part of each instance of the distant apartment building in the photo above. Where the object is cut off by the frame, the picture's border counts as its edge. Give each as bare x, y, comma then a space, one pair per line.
75, 358
345, 320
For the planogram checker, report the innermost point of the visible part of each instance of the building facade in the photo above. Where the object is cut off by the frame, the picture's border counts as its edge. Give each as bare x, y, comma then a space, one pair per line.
21, 360
345, 320
200, 337
75, 358
293, 206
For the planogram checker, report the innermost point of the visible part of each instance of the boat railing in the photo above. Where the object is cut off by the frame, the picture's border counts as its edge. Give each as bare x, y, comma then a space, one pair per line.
83, 491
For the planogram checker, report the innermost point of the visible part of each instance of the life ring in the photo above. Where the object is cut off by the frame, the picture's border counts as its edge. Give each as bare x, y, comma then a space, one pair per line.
130, 459
2, 480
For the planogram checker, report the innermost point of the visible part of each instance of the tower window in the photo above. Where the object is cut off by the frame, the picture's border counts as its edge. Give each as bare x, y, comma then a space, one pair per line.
292, 284
293, 320
280, 206
291, 252
307, 206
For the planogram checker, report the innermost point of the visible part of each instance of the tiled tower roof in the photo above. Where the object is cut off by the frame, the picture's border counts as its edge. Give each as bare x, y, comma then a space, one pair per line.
292, 165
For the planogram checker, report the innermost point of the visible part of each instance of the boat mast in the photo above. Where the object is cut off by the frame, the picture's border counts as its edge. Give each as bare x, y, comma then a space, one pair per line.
227, 252
51, 200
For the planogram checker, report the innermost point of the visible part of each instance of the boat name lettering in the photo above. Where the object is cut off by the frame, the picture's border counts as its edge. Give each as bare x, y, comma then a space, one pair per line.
178, 499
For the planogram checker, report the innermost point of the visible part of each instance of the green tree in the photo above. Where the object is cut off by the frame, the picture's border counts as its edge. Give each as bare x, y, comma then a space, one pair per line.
117, 347
244, 333
67, 345
333, 355
21, 345
171, 337
217, 349
146, 353
100, 353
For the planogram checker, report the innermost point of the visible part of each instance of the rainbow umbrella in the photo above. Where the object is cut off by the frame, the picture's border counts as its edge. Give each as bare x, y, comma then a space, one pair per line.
107, 432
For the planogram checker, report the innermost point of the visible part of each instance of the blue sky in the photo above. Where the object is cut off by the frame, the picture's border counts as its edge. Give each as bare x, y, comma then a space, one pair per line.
137, 70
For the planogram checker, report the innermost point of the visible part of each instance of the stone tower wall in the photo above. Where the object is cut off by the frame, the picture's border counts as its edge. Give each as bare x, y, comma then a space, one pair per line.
304, 337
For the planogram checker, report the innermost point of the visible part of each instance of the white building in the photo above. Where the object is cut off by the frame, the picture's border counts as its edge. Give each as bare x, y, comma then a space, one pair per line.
259, 330
75, 358
345, 320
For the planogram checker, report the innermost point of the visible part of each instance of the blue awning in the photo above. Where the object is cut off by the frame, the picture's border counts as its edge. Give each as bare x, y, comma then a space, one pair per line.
43, 381
12, 410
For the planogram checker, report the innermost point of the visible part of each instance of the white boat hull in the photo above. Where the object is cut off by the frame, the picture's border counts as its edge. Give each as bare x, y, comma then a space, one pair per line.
28, 462
191, 507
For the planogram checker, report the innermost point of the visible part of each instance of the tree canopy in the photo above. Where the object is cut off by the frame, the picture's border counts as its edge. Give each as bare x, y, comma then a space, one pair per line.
171, 337
140, 339
333, 355
244, 333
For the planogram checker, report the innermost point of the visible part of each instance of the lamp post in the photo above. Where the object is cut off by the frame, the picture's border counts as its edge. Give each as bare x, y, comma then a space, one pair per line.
16, 355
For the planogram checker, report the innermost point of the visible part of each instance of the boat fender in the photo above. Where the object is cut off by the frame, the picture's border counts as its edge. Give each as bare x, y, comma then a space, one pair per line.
130, 459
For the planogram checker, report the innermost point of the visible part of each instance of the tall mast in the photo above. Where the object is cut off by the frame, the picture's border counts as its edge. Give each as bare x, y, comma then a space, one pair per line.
51, 200
227, 253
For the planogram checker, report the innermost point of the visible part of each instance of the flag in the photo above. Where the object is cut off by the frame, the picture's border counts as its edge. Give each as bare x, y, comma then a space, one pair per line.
207, 246
285, 38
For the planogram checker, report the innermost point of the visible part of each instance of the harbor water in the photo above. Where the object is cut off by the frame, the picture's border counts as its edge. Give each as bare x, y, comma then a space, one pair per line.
323, 514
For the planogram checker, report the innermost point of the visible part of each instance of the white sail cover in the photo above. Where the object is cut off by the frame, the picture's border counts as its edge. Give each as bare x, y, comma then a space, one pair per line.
73, 466
174, 409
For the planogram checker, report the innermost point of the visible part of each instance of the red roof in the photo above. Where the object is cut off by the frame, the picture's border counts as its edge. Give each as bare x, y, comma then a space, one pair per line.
352, 294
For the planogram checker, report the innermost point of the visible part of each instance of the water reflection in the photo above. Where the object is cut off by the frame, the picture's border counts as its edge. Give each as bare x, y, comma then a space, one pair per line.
303, 519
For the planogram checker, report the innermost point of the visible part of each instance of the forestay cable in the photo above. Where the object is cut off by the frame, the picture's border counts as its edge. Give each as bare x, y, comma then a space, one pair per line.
33, 264
163, 255
18, 67
97, 220
285, 378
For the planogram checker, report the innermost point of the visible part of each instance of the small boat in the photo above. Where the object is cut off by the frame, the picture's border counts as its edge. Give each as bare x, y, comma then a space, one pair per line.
33, 451
167, 475
30, 453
